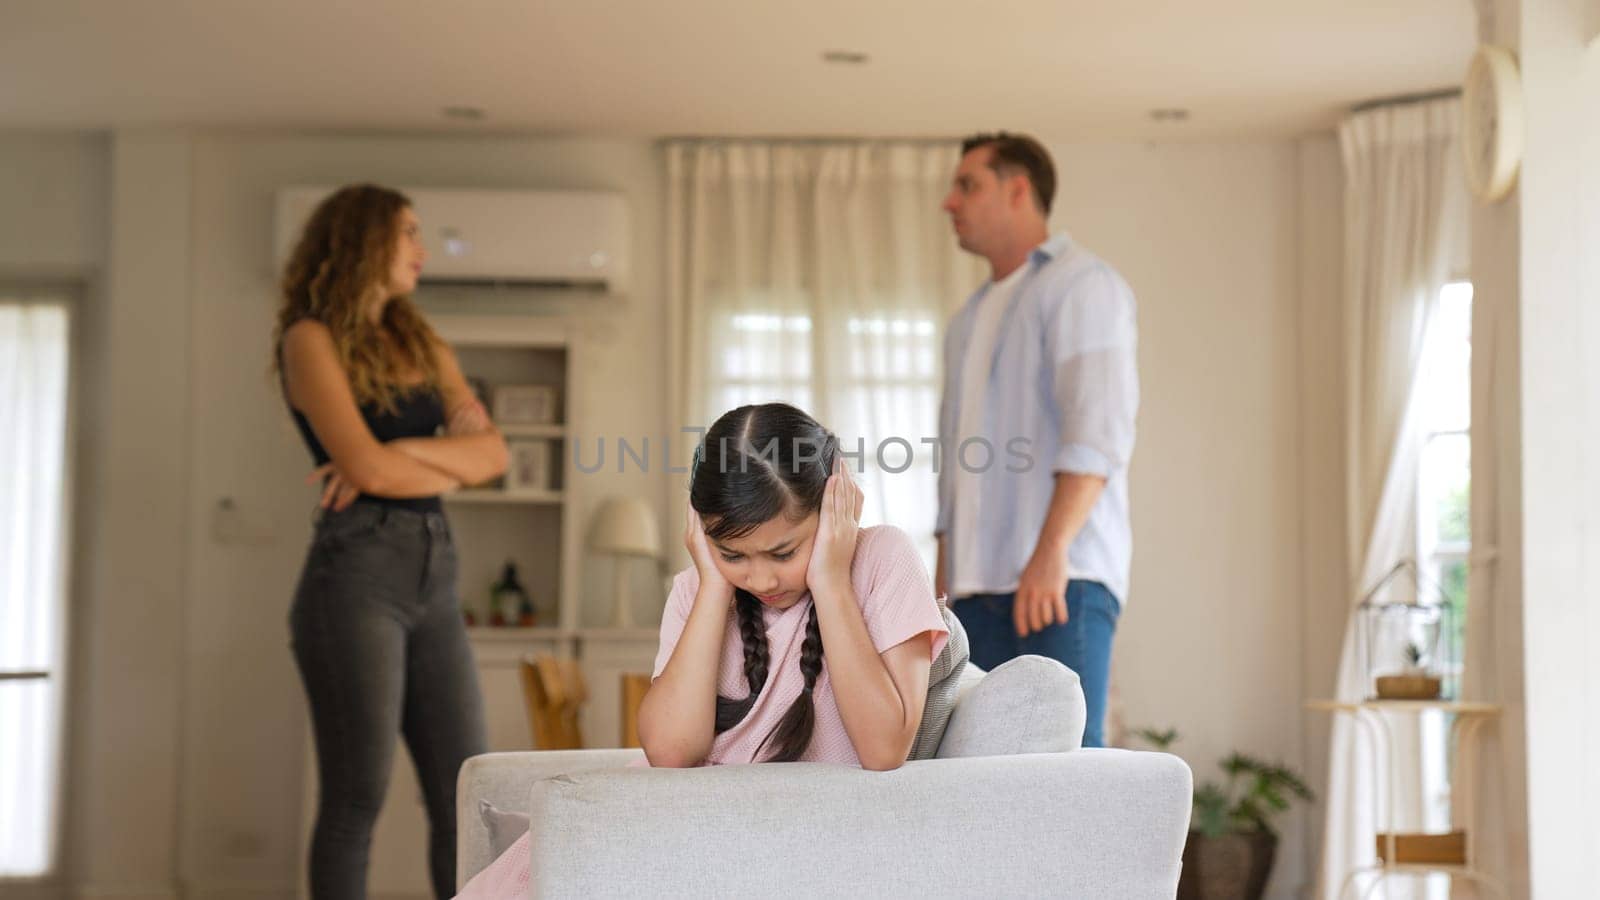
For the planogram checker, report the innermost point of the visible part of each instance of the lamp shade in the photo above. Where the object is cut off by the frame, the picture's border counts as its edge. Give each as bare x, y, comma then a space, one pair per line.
627, 526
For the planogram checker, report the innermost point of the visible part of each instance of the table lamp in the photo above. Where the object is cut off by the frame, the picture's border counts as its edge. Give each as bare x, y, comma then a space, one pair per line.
624, 527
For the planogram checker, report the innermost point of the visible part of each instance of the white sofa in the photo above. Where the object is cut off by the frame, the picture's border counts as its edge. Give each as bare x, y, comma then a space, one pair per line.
1011, 808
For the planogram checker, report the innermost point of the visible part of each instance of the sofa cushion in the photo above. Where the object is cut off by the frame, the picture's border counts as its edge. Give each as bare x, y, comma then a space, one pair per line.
1031, 704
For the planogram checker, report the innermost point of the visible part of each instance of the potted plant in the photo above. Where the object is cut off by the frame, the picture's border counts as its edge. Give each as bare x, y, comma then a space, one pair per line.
1232, 844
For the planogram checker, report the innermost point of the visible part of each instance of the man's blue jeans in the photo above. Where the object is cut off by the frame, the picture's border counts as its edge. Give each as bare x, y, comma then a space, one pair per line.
1082, 645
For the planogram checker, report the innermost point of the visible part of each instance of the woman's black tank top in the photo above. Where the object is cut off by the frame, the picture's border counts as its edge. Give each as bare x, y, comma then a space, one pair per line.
418, 413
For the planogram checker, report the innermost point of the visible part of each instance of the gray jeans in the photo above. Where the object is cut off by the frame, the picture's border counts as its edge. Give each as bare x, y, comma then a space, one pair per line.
377, 634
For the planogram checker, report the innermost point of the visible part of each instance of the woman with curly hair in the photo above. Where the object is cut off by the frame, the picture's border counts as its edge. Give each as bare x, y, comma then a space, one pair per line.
783, 581
375, 624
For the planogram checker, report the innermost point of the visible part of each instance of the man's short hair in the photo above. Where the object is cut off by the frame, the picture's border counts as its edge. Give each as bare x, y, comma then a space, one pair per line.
1018, 153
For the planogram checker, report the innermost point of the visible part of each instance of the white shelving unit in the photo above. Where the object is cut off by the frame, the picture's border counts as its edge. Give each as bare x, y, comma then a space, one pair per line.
532, 527
1371, 723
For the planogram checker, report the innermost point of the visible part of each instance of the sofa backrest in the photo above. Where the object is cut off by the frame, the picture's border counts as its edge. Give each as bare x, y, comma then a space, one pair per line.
1087, 824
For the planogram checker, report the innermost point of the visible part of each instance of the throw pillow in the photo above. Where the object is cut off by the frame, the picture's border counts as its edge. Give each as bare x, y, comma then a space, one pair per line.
505, 827
944, 681
1031, 704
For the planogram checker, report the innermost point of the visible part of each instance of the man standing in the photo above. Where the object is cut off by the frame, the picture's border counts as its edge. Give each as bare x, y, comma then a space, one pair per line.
1036, 427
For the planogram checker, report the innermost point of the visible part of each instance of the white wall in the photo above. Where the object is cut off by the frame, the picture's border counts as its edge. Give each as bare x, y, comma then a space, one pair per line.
1325, 564
1214, 237
129, 611
1560, 413
1210, 641
1536, 268
52, 204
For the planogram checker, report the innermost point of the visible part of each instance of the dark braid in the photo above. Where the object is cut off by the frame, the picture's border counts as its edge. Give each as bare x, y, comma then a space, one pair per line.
753, 634
793, 733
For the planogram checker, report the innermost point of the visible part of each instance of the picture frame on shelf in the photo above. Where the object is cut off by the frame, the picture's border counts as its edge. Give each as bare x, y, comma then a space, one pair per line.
525, 404
528, 468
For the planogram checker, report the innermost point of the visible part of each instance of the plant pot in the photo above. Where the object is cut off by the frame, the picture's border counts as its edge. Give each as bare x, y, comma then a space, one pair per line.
1408, 687
1227, 867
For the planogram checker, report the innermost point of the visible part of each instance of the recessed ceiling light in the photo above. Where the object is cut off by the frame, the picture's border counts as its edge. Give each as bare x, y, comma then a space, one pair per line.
463, 113
845, 57
1170, 114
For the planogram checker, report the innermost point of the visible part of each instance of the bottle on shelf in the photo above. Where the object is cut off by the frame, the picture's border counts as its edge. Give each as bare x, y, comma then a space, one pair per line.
509, 603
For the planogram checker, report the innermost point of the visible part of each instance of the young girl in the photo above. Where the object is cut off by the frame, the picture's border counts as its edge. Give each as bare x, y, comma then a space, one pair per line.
376, 625
794, 636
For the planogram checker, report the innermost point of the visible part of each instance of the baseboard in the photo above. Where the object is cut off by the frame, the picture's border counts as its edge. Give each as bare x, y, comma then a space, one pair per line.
241, 890
213, 890
125, 892
22, 889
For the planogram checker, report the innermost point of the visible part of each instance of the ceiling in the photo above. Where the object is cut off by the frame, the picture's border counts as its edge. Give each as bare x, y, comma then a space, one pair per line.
1062, 68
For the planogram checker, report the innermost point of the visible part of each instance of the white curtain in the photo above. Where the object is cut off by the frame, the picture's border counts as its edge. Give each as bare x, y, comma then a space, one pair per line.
819, 274
1405, 211
33, 405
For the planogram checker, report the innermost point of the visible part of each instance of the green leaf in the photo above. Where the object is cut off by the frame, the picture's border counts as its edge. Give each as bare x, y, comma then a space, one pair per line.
1272, 797
1211, 814
1296, 785
1237, 764
1266, 791
1161, 740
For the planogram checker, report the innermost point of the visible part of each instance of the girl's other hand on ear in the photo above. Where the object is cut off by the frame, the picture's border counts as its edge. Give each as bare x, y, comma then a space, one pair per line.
838, 523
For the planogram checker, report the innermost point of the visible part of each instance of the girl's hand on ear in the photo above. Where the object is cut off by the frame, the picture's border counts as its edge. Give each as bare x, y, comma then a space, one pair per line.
838, 522
699, 546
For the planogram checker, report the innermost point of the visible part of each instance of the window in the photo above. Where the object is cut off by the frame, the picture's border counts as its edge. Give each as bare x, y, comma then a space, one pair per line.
883, 383
891, 401
1444, 475
763, 357
34, 345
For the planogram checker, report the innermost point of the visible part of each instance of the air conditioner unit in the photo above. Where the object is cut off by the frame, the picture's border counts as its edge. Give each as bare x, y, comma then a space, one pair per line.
571, 239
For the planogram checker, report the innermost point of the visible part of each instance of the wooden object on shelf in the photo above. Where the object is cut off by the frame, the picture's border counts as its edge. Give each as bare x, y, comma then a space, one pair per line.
634, 684
554, 690
1408, 687
1425, 849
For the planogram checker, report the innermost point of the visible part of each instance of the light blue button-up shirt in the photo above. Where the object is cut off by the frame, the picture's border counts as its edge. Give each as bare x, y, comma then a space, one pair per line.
1062, 396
